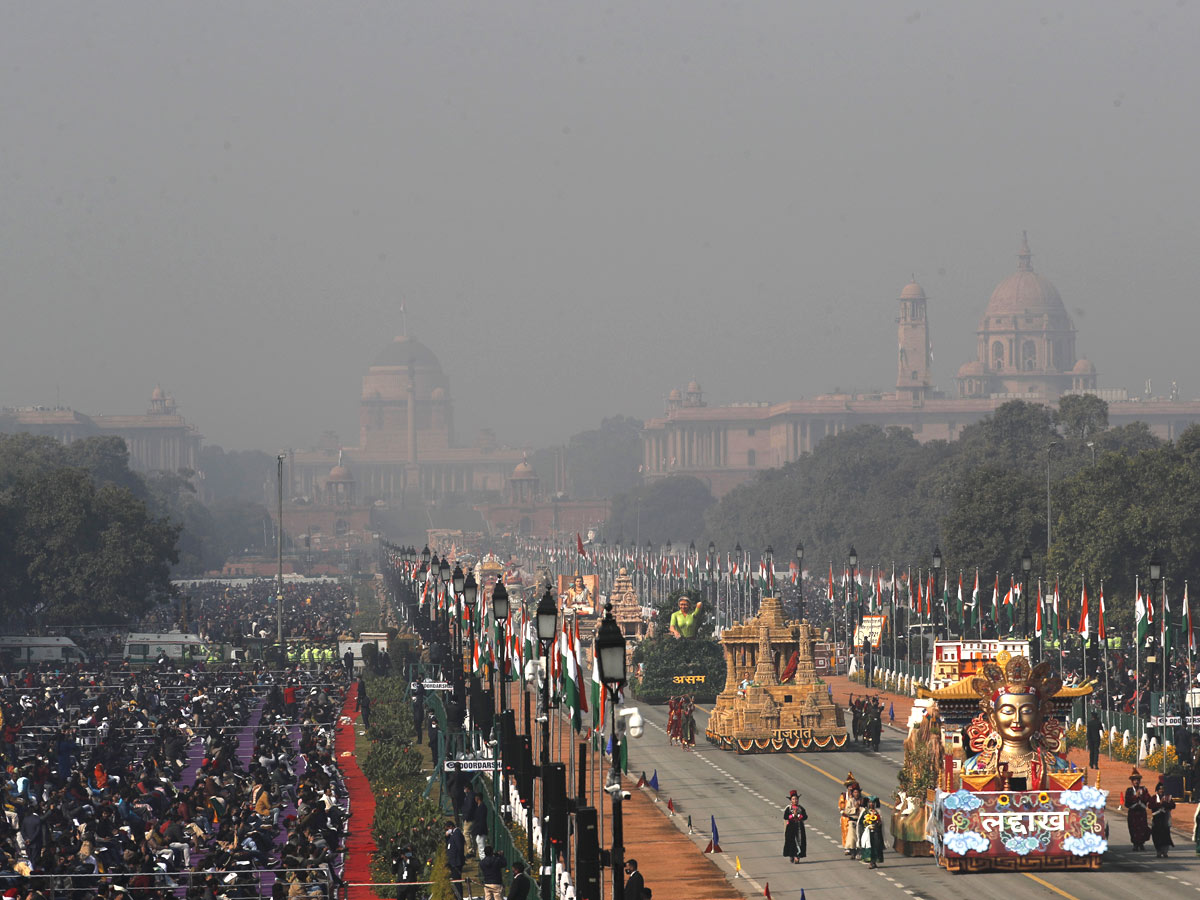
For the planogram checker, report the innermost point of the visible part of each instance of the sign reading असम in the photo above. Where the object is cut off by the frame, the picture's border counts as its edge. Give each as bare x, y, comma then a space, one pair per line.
688, 679
432, 685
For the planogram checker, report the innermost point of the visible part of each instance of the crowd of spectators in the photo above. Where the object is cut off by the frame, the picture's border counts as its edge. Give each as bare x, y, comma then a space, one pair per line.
177, 780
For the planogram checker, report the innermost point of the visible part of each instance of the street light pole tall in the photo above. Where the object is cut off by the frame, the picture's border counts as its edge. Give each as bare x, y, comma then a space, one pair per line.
938, 620
610, 659
800, 579
547, 629
1026, 566
1049, 448
852, 587
279, 584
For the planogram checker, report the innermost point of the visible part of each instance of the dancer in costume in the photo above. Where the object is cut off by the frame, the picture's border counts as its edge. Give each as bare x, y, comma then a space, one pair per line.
673, 718
795, 840
1161, 805
871, 833
852, 810
1137, 804
687, 723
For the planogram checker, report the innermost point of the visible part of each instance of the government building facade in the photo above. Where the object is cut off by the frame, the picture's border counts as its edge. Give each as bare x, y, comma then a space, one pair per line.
1025, 350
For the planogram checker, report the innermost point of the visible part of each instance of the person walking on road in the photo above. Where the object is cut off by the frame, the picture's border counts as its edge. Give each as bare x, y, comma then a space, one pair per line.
1137, 805
795, 839
1093, 740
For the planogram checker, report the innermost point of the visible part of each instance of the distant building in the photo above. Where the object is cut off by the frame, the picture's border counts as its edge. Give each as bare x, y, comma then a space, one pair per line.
406, 442
1025, 351
527, 510
160, 440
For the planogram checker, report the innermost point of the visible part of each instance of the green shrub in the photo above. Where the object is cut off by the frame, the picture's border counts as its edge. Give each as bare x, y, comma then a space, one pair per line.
664, 657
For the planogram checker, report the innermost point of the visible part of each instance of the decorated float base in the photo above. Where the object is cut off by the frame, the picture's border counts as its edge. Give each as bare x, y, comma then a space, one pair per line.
780, 742
1019, 831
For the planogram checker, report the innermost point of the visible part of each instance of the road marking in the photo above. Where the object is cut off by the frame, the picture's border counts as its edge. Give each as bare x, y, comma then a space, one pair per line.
831, 777
1047, 884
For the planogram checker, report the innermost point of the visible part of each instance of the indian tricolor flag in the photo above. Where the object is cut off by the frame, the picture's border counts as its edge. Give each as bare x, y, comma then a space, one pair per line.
571, 693
598, 703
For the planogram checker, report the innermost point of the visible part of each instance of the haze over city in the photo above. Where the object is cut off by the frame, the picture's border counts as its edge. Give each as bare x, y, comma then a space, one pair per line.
580, 207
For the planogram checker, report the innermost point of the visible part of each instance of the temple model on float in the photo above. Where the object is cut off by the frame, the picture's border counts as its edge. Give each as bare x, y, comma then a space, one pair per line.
1005, 799
773, 700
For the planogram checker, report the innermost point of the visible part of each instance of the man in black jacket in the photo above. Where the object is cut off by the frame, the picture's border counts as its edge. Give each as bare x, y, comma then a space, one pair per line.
519, 889
455, 854
491, 867
634, 885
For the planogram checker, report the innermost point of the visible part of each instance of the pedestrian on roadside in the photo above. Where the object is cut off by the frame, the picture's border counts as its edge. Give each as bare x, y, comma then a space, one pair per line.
491, 868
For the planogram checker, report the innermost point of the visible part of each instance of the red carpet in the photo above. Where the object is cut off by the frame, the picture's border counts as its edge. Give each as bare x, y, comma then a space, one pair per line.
360, 844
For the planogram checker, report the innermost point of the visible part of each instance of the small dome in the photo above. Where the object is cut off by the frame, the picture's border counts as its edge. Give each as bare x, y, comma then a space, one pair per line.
340, 473
912, 291
524, 470
156, 394
693, 387
974, 367
1084, 367
674, 395
404, 350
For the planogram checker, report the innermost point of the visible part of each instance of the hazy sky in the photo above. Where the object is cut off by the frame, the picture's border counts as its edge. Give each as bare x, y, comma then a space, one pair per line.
582, 204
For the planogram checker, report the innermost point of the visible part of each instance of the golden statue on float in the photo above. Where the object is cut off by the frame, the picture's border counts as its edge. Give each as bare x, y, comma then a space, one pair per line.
1015, 803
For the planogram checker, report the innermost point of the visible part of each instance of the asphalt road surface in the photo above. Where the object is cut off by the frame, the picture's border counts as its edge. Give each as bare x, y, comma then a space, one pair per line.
747, 795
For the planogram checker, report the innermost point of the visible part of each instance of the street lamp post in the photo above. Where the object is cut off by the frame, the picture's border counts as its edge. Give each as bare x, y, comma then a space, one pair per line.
458, 583
1026, 566
500, 614
1155, 577
770, 555
800, 579
547, 631
1049, 448
714, 587
852, 587
737, 557
610, 658
937, 570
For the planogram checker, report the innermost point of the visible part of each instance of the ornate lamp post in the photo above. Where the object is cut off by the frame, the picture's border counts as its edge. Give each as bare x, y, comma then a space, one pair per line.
610, 658
852, 586
714, 587
547, 631
737, 556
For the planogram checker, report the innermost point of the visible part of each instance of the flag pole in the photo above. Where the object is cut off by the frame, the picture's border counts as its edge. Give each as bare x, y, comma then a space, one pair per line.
1137, 663
1083, 614
1187, 613
1107, 695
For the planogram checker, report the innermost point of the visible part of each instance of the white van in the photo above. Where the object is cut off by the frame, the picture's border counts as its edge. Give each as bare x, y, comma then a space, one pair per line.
146, 646
22, 649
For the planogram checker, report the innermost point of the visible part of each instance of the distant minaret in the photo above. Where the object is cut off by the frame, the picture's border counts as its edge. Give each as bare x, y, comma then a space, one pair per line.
913, 361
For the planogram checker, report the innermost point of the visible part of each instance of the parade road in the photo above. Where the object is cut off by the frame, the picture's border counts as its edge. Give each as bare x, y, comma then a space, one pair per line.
747, 795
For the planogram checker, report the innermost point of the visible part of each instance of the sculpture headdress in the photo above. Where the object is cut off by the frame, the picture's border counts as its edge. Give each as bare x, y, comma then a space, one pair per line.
1016, 676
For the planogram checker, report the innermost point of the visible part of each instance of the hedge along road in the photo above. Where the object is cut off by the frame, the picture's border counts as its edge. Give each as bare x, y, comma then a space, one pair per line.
747, 795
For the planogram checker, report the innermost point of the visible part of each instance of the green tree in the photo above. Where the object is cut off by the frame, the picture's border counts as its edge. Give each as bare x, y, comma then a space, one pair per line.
669, 509
1080, 417
604, 462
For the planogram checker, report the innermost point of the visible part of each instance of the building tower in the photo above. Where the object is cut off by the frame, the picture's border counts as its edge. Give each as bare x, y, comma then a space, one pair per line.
912, 380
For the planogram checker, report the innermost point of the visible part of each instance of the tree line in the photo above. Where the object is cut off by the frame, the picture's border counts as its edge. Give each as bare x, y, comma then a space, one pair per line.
1117, 496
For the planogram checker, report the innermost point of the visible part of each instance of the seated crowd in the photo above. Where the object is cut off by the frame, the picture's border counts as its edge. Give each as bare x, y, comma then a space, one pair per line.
171, 782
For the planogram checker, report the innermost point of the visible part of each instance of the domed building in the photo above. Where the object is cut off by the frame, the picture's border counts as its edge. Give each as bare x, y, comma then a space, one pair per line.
1026, 340
1025, 350
406, 440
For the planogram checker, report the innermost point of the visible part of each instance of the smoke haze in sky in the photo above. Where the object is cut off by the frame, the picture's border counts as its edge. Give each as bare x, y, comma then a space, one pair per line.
582, 205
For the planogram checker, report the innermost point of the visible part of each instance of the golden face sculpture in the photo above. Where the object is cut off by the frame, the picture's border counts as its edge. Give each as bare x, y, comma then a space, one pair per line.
1016, 718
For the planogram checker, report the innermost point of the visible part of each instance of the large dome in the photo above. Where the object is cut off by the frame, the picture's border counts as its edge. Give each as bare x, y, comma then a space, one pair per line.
1024, 292
404, 350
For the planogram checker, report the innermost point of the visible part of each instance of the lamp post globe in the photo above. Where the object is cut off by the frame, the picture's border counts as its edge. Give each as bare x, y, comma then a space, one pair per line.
457, 579
425, 555
500, 601
547, 618
610, 652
